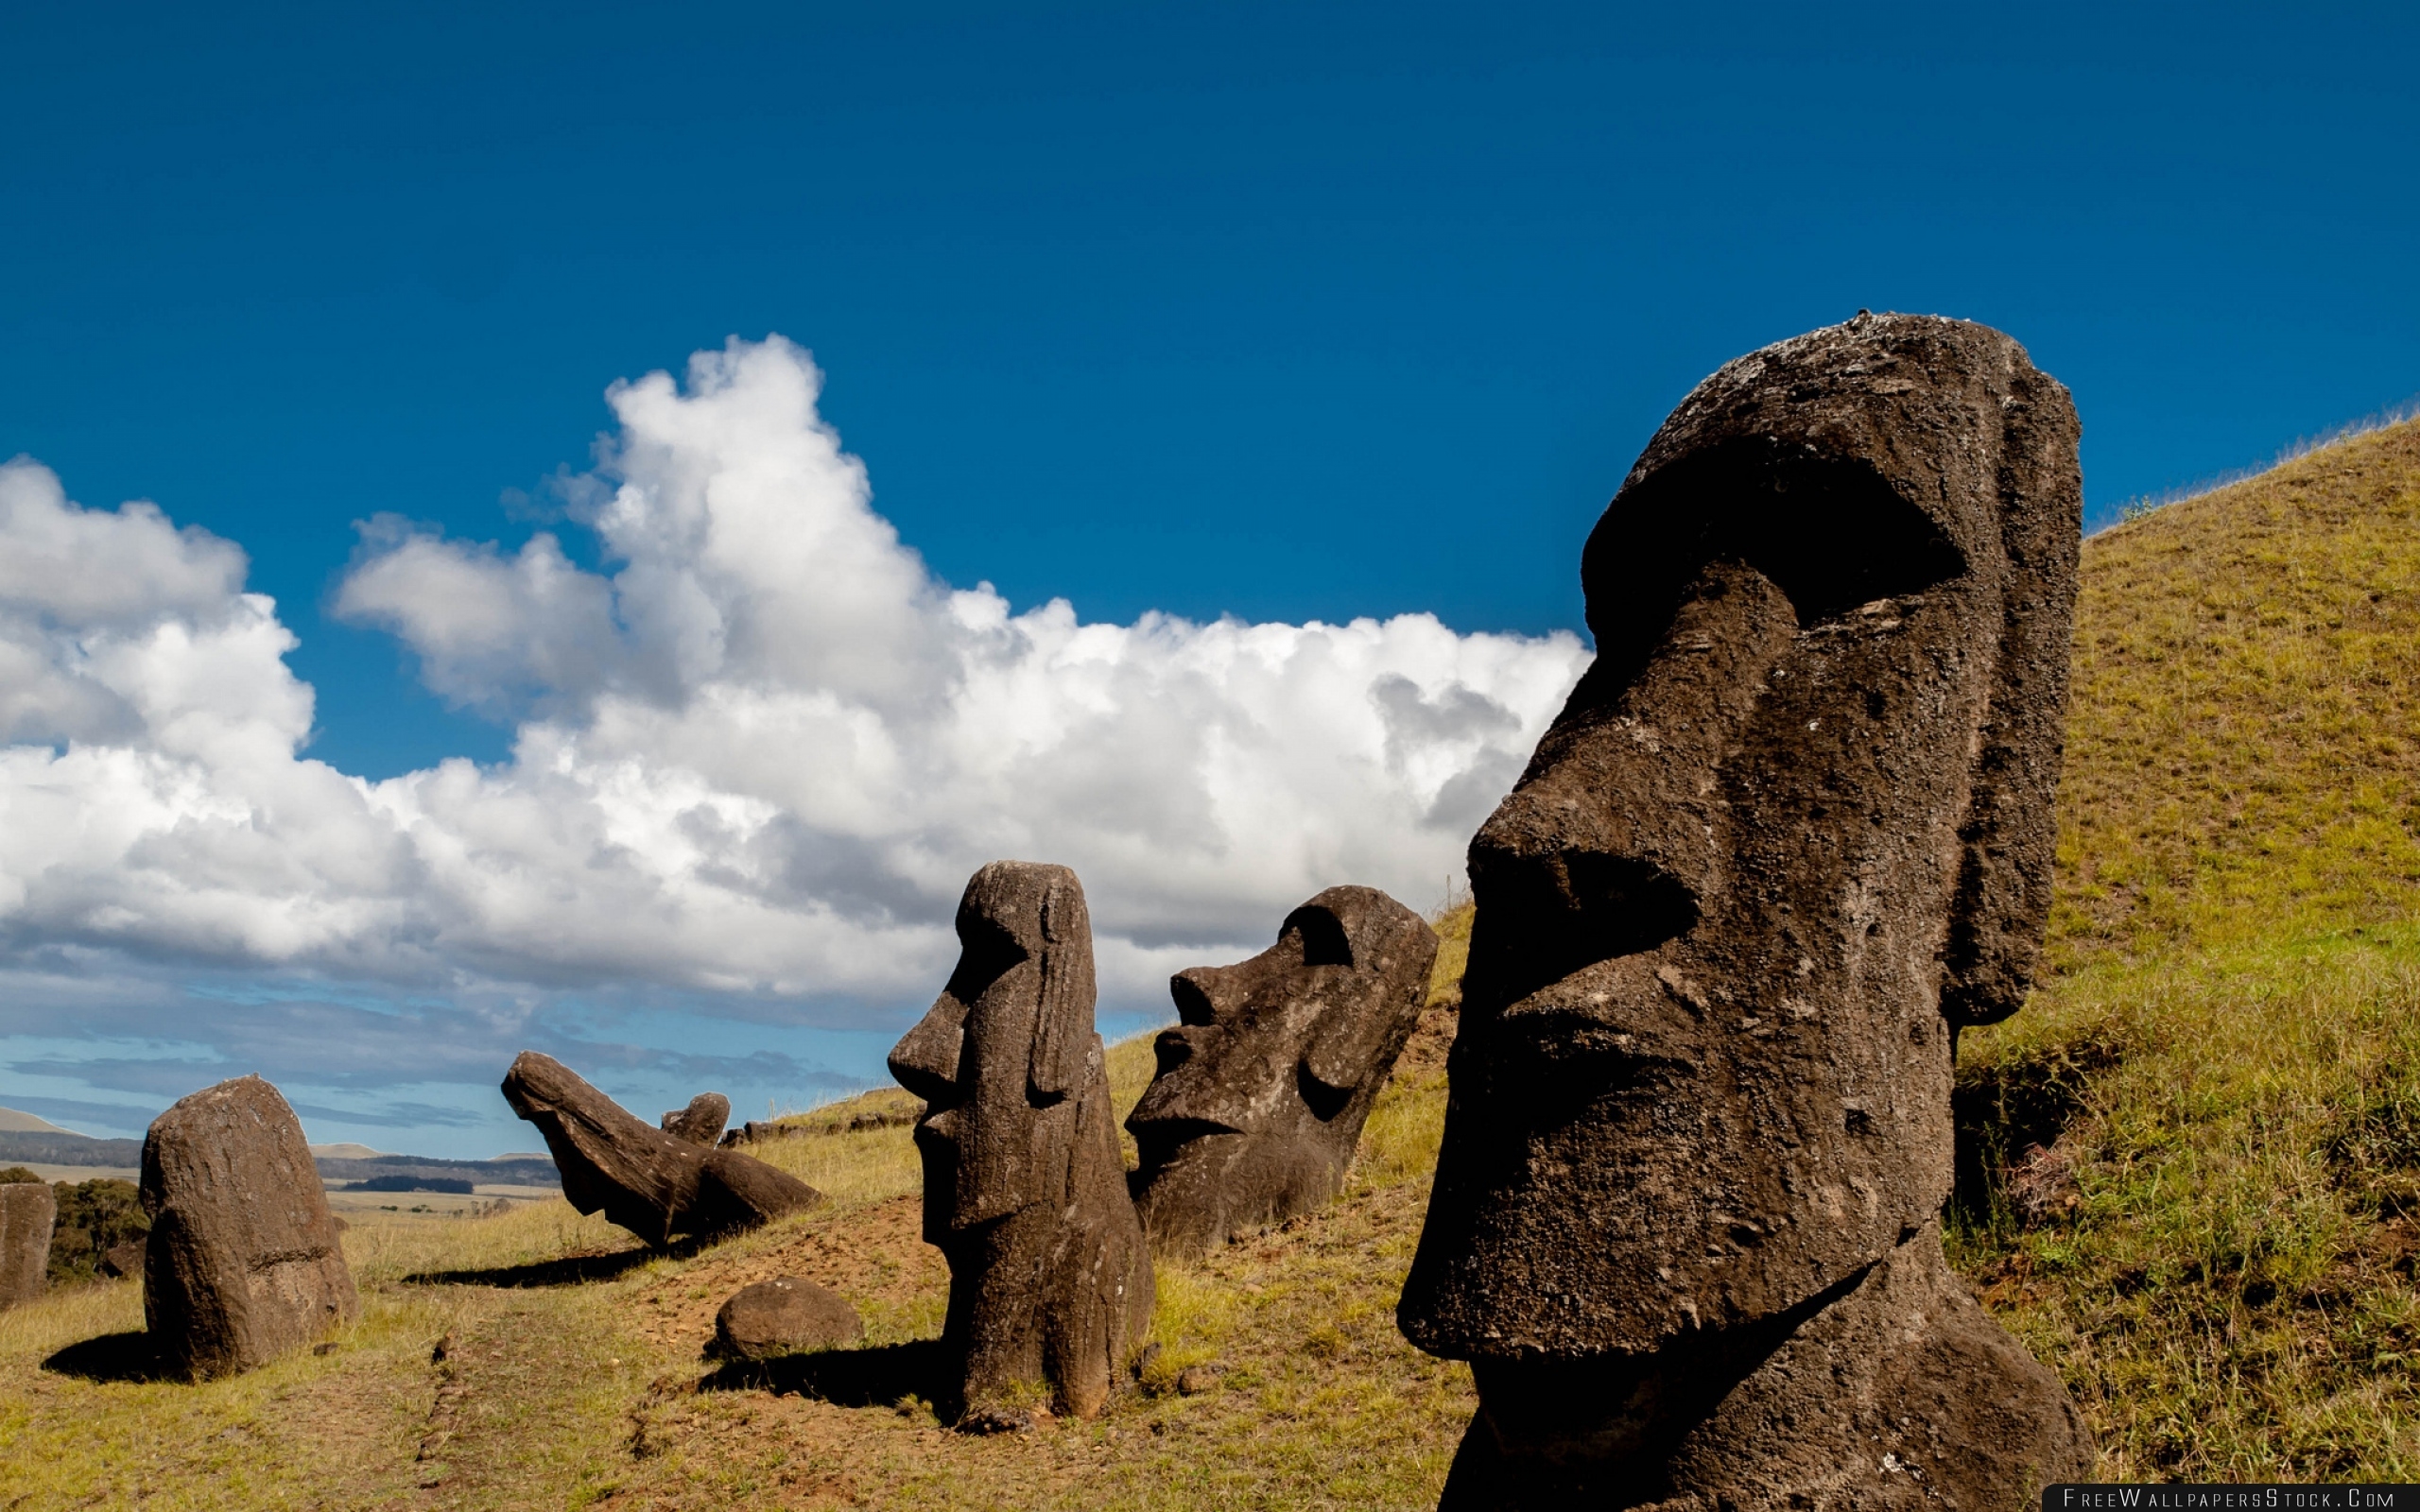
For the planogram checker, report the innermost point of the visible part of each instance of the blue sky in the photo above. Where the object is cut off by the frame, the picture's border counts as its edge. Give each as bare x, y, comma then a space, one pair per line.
1288, 314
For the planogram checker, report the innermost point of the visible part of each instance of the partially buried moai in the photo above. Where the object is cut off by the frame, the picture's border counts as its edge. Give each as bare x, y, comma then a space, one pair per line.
659, 1183
1266, 1081
1792, 830
1024, 1189
242, 1262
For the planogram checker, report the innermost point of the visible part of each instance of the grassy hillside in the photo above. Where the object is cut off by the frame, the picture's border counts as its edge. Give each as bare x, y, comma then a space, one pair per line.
2214, 1236
2195, 1187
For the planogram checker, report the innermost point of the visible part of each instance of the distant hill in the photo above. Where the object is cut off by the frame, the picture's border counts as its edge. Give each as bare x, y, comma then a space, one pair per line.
2243, 742
506, 1170
346, 1152
61, 1148
12, 1121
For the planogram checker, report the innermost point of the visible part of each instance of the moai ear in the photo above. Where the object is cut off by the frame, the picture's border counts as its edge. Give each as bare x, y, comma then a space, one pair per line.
1345, 1044
2011, 833
1347, 1036
1062, 1031
1386, 949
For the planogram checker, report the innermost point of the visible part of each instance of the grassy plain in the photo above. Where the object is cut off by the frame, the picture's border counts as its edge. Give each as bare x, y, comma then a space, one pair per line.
2193, 1185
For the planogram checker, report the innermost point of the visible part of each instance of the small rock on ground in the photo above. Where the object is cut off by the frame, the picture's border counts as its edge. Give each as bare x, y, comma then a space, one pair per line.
784, 1315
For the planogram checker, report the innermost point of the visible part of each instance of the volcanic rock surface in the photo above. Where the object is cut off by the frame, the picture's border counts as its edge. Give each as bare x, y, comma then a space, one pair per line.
242, 1264
784, 1315
1024, 1189
27, 1210
702, 1121
1266, 1081
1791, 830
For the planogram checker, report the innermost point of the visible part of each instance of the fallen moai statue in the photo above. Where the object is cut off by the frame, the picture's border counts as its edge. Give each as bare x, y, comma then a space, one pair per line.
1025, 1188
702, 1121
659, 1186
1792, 830
27, 1211
785, 1316
1266, 1081
242, 1262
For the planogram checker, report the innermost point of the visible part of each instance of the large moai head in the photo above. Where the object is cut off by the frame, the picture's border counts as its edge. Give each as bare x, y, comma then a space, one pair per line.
1792, 830
1024, 1189
1266, 1081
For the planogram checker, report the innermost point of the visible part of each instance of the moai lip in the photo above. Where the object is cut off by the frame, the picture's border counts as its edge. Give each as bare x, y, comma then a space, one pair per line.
242, 1264
1792, 830
1025, 1188
658, 1185
1264, 1085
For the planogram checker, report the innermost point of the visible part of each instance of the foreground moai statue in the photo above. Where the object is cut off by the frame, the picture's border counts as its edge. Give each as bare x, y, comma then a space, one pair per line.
242, 1262
658, 1185
28, 1211
1266, 1081
1025, 1188
1792, 829
702, 1121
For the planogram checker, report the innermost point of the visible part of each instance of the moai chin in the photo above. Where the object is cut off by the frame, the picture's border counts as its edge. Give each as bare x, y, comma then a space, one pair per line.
1792, 830
1025, 1188
1266, 1081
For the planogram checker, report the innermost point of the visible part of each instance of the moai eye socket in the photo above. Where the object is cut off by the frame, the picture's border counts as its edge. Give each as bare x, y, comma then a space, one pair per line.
1547, 920
1322, 936
987, 953
1830, 532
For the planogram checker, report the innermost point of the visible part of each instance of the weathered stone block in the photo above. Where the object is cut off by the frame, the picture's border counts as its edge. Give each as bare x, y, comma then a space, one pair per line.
27, 1210
242, 1262
702, 1121
784, 1315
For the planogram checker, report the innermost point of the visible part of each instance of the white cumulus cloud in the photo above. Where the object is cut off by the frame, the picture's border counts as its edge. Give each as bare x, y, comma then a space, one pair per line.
759, 753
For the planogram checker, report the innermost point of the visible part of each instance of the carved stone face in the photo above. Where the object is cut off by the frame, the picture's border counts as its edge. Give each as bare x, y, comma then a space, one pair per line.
1264, 1085
1024, 1191
1002, 1048
1791, 828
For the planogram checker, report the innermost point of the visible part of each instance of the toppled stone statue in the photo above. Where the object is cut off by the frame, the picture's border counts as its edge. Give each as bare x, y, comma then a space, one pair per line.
242, 1262
27, 1211
702, 1121
659, 1186
1266, 1081
1025, 1188
784, 1315
1792, 829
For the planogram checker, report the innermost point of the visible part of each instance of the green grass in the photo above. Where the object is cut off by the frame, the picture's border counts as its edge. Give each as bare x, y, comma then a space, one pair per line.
2225, 1061
2214, 1100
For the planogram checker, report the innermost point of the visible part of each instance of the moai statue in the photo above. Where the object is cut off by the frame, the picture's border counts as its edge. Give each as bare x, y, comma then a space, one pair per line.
656, 1183
702, 1121
28, 1211
1264, 1085
1790, 832
242, 1262
1025, 1188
